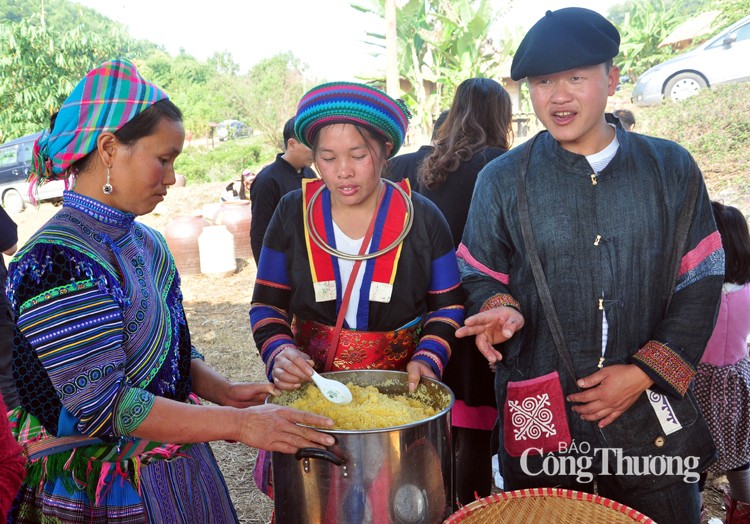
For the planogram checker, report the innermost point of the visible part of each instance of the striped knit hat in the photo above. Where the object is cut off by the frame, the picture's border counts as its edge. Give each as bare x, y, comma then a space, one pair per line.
351, 103
106, 99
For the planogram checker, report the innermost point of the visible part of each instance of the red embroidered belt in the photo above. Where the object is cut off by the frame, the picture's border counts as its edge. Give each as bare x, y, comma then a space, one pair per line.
357, 349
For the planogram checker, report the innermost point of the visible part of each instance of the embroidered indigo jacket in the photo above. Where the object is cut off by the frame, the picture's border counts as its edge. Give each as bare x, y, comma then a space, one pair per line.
604, 241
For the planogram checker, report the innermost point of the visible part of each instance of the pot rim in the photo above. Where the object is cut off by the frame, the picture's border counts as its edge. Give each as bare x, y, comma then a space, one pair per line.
332, 374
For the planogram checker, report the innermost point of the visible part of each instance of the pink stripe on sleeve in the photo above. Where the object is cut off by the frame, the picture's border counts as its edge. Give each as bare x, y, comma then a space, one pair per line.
704, 248
463, 253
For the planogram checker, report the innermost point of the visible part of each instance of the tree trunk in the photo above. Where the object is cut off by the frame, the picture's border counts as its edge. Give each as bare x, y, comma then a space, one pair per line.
391, 50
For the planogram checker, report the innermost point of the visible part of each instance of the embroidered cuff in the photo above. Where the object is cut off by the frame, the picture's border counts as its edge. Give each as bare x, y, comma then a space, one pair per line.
665, 367
134, 408
431, 360
271, 359
194, 353
499, 300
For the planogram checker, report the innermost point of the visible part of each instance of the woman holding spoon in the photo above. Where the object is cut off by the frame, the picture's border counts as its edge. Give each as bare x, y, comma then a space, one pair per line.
392, 302
355, 272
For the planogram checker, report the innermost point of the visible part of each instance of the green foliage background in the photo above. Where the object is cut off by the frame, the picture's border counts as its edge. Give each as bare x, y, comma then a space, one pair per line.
48, 45
715, 127
225, 162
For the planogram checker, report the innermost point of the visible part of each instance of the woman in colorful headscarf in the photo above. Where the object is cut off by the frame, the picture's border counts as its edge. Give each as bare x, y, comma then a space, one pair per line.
355, 272
103, 361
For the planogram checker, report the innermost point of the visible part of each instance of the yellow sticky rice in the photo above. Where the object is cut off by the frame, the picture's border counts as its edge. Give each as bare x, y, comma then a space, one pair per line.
369, 408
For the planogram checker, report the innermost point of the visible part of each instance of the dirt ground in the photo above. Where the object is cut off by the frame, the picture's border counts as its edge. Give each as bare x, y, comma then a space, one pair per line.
217, 311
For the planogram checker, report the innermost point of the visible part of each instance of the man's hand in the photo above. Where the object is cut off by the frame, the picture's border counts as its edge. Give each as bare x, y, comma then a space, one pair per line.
492, 327
609, 392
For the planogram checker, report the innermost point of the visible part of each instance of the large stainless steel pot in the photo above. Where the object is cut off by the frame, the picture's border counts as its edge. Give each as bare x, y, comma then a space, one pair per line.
399, 475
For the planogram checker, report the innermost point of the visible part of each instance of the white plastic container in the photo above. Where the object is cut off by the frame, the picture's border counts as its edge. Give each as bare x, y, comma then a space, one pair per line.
216, 248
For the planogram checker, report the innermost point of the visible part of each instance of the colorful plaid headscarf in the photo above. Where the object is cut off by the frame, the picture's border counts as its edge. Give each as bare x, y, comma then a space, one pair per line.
106, 99
351, 103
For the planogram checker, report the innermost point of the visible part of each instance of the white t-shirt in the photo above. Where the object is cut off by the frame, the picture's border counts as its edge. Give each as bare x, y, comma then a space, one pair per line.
349, 246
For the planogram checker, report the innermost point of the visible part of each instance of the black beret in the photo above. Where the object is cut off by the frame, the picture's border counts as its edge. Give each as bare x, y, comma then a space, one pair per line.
565, 39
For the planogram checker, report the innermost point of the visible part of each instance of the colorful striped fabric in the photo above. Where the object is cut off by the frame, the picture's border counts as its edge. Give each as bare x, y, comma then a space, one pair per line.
707, 258
426, 287
106, 99
351, 103
102, 333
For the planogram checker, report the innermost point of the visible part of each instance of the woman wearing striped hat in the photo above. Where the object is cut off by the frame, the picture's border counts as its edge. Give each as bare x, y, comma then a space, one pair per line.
105, 369
366, 269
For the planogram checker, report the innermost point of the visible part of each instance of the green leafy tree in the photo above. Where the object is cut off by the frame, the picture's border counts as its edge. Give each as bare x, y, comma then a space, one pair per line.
58, 15
195, 87
731, 10
440, 44
268, 95
647, 24
40, 66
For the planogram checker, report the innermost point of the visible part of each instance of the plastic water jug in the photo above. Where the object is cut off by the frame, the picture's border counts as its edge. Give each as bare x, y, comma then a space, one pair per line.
216, 245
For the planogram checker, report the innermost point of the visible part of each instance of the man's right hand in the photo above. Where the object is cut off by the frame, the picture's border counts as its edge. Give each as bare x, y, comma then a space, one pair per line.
492, 327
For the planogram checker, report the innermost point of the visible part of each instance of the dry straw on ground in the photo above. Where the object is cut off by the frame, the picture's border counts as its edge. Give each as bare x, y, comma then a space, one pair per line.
217, 312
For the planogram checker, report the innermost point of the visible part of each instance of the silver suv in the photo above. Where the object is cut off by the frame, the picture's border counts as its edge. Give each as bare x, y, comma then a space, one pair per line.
15, 162
721, 59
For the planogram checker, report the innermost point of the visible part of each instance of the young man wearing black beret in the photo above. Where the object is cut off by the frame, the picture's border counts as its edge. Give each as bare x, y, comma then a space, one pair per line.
596, 339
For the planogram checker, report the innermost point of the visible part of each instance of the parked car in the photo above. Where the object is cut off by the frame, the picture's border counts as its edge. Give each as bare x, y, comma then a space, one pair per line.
15, 163
229, 129
721, 59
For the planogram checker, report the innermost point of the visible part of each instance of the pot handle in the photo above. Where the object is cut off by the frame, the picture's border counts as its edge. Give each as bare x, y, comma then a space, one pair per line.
318, 453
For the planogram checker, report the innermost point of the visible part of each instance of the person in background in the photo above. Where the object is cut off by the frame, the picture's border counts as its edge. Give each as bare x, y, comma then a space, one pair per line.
402, 166
722, 385
12, 464
345, 281
274, 181
239, 189
626, 118
476, 131
636, 301
8, 246
12, 461
107, 376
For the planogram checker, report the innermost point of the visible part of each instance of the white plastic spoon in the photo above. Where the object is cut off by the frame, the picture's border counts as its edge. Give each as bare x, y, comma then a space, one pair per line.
332, 390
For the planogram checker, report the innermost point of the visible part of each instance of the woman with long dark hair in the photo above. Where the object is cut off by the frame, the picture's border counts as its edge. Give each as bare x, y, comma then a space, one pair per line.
477, 130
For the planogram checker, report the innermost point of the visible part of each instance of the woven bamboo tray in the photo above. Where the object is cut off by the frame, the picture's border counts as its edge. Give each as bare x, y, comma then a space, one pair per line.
543, 505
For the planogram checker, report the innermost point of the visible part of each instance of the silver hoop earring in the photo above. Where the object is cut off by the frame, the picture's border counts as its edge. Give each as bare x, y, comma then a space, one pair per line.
107, 188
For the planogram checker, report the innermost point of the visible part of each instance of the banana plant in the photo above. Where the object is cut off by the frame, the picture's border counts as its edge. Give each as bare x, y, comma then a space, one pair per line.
440, 44
647, 24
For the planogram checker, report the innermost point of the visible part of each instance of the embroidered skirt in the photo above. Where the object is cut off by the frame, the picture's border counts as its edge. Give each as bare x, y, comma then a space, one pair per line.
357, 349
723, 394
187, 489
79, 479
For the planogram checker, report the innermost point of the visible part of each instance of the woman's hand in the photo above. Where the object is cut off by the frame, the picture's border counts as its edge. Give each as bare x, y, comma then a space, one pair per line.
211, 385
246, 394
291, 368
276, 428
491, 327
416, 370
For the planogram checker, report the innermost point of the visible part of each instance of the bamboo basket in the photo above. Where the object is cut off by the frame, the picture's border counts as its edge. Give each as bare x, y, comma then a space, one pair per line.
543, 505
